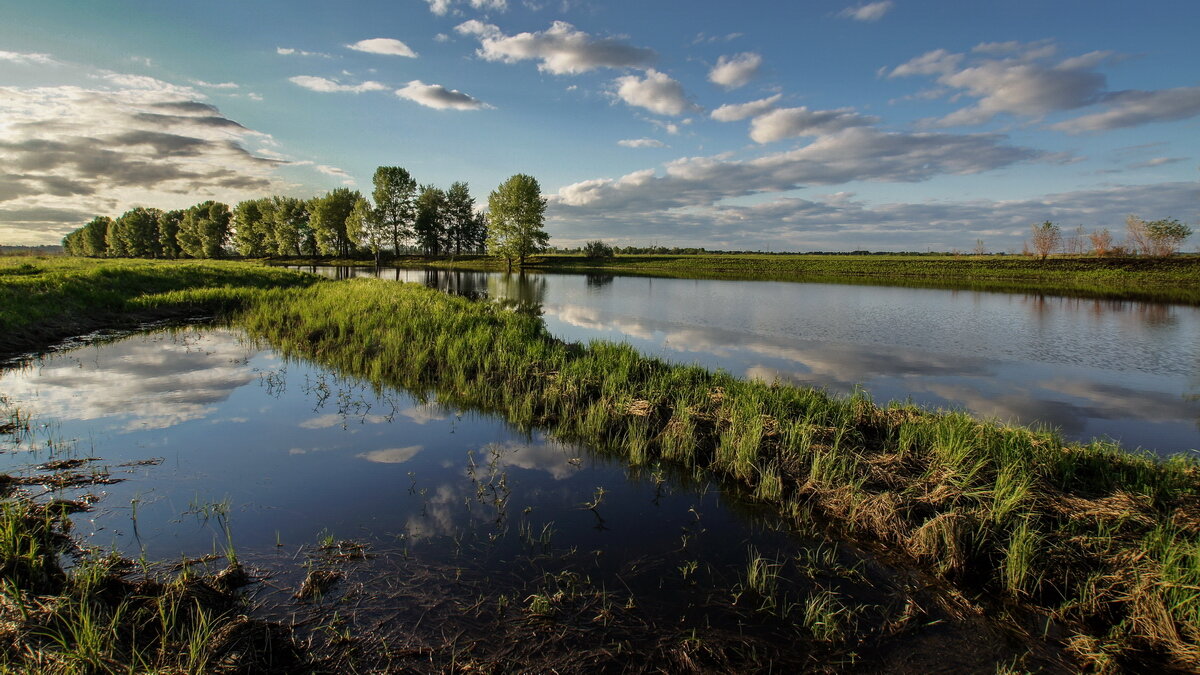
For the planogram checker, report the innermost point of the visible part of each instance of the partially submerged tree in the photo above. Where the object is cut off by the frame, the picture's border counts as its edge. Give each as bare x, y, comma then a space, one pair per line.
516, 216
1046, 238
395, 203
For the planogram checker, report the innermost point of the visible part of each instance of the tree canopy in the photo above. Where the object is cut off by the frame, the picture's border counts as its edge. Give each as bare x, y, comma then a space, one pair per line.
516, 219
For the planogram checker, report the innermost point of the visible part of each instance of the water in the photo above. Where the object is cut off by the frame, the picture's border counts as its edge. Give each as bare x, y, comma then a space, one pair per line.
1128, 371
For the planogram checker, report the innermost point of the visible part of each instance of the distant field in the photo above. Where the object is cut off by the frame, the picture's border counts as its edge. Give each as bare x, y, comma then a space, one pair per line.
1165, 280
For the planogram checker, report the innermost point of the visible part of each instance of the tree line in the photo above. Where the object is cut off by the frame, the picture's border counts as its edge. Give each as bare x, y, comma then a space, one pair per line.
399, 215
1155, 238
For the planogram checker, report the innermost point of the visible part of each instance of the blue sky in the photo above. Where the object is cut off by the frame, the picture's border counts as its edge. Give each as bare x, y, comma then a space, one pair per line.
822, 125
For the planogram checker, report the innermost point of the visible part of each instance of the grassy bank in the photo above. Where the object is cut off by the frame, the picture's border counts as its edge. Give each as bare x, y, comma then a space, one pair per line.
1099, 541
43, 300
1161, 280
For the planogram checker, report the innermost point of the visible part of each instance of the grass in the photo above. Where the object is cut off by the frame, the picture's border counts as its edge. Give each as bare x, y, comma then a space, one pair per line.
43, 300
1175, 279
1097, 539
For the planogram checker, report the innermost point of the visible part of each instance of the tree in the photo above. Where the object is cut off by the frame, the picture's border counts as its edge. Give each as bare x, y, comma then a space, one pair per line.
362, 226
328, 216
597, 249
94, 242
290, 227
168, 231
516, 216
204, 230
1046, 238
395, 203
252, 223
1101, 242
980, 247
1158, 238
460, 218
430, 225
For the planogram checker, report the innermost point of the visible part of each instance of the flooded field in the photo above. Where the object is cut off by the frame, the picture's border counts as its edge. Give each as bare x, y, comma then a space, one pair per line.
1124, 370
377, 513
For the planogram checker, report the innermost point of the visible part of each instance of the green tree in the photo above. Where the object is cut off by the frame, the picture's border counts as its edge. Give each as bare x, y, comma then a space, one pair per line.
204, 230
328, 216
460, 218
362, 226
168, 231
290, 227
430, 224
135, 233
597, 249
95, 237
252, 225
395, 203
1158, 238
516, 217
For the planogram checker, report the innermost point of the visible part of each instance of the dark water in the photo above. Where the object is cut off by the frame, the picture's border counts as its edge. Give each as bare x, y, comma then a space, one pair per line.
1129, 371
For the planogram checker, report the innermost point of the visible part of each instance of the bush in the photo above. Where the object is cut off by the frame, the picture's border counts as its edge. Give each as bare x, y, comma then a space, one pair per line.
597, 249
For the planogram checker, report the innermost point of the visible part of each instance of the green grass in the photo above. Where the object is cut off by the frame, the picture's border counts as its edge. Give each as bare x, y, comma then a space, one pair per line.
1174, 279
1102, 540
47, 299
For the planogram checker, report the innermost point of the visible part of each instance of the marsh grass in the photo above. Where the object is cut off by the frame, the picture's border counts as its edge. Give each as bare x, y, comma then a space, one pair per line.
1101, 539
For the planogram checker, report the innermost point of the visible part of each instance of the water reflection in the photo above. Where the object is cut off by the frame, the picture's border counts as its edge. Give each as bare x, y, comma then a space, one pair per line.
1115, 368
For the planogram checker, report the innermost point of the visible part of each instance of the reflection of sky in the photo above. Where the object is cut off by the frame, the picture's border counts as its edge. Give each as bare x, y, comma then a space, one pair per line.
152, 383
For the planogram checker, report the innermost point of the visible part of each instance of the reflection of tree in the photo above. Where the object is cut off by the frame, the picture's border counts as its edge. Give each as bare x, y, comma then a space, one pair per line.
456, 282
519, 291
599, 280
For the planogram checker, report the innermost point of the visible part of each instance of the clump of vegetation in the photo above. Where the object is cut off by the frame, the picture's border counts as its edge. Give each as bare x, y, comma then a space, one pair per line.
1098, 539
1157, 238
597, 249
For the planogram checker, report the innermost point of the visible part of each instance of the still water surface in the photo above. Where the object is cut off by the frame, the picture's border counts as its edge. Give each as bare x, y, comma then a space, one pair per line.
1129, 371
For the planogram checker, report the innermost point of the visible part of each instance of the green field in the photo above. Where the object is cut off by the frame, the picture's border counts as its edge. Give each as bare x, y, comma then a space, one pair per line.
1174, 279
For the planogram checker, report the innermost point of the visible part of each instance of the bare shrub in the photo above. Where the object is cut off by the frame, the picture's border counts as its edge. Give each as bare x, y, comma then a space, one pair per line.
1046, 238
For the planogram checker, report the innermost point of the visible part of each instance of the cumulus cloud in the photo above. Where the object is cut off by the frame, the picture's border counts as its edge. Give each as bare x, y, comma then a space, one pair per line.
870, 12
326, 85
438, 97
790, 122
560, 49
641, 143
387, 46
70, 152
732, 112
1134, 108
655, 92
443, 7
735, 71
1025, 80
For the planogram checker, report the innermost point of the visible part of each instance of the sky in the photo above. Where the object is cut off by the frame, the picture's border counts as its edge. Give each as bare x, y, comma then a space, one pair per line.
793, 125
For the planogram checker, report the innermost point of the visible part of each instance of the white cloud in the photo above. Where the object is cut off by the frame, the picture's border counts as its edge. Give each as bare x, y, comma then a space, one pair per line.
870, 12
325, 85
392, 455
289, 51
215, 85
443, 7
438, 97
560, 49
854, 154
641, 143
386, 46
790, 122
1134, 108
1024, 82
655, 92
732, 112
1157, 161
28, 58
735, 71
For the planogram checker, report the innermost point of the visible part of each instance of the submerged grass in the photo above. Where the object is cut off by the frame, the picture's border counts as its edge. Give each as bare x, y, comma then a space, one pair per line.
1101, 540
